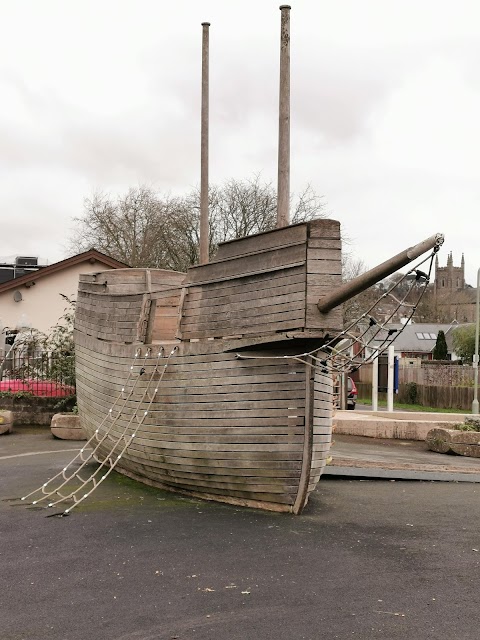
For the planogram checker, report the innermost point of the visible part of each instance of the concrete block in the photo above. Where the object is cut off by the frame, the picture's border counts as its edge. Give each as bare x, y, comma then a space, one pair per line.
439, 440
462, 443
66, 426
6, 422
374, 425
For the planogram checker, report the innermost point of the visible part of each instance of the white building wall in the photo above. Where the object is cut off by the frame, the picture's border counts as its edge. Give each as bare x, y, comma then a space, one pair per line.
42, 305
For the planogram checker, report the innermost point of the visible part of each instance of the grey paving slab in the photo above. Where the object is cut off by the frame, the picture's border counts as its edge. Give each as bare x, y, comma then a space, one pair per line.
391, 458
401, 474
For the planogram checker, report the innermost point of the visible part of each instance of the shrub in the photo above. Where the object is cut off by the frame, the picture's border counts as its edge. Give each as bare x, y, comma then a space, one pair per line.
66, 404
412, 392
440, 350
472, 422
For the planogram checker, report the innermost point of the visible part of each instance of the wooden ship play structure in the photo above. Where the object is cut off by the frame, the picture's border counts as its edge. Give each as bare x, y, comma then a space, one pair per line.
218, 383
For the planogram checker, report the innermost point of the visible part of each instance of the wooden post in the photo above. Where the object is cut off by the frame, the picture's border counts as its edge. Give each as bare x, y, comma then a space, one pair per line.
391, 372
343, 391
283, 189
375, 382
204, 240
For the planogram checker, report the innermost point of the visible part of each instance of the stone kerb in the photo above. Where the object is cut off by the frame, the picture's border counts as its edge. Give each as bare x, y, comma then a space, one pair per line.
398, 425
66, 426
6, 422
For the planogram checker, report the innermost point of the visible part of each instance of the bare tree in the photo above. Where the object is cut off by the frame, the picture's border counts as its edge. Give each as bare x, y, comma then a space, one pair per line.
127, 228
352, 267
241, 208
147, 229
386, 308
352, 309
427, 309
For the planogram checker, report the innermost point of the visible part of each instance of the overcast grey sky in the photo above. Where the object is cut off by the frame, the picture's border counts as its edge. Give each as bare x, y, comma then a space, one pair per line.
105, 94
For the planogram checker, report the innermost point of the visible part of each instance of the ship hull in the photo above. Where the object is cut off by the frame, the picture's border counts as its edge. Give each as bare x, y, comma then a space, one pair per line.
254, 432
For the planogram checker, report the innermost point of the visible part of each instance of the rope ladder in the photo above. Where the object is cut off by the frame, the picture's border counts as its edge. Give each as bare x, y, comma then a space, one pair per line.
56, 489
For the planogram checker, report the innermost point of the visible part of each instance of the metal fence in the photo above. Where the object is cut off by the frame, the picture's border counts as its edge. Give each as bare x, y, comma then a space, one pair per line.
38, 373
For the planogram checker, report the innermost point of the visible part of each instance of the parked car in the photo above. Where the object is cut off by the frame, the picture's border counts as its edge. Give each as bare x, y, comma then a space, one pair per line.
44, 388
352, 394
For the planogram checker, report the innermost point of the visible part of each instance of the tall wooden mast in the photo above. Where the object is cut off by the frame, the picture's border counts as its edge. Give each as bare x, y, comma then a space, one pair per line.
283, 189
204, 240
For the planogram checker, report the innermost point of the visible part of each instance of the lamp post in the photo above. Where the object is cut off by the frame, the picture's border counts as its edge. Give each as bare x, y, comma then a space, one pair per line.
475, 355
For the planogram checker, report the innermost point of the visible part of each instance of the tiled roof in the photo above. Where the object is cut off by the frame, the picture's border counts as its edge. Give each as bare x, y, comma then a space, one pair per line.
92, 255
420, 337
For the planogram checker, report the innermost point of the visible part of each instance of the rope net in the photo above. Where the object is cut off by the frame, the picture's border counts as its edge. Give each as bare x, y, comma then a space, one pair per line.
70, 484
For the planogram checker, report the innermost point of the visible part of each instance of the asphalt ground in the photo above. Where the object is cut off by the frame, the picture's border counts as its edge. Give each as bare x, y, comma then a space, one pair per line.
366, 559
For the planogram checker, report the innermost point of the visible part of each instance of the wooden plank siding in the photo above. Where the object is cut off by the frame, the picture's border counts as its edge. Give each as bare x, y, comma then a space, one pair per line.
204, 433
322, 425
136, 306
109, 317
323, 273
261, 242
233, 428
267, 283
124, 281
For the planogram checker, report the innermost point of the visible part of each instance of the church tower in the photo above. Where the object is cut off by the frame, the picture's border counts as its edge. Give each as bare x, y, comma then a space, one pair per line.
449, 279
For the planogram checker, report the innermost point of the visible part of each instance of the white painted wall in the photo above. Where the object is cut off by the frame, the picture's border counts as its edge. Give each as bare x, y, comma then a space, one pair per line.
42, 305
